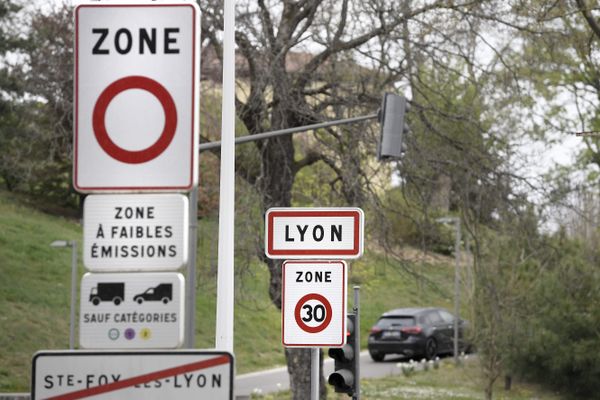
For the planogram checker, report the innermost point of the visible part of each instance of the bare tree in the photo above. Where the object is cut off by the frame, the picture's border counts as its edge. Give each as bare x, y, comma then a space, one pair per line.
306, 61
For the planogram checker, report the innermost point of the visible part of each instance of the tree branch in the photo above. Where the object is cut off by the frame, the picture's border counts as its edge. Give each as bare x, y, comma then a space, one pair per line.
589, 17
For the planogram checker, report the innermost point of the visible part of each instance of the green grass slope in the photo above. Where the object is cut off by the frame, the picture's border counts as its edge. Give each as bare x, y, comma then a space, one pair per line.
35, 279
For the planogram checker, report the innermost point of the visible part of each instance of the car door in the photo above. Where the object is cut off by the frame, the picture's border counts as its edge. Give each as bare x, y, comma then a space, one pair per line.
448, 323
437, 329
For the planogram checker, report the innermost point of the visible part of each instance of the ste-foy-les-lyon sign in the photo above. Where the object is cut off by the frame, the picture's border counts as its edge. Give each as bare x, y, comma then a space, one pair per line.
149, 375
131, 310
331, 233
135, 232
136, 96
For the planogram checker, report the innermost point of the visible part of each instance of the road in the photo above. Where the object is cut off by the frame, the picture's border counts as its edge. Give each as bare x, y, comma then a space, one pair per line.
277, 379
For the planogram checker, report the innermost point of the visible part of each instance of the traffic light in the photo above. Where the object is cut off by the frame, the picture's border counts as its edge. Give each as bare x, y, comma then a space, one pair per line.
346, 359
392, 117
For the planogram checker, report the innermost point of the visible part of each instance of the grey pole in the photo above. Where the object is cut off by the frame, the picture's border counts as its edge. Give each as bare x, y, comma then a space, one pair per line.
357, 339
315, 373
288, 131
456, 288
190, 291
73, 244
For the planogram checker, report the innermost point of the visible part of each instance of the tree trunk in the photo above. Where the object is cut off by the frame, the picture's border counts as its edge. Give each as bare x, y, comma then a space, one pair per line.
298, 362
440, 198
489, 391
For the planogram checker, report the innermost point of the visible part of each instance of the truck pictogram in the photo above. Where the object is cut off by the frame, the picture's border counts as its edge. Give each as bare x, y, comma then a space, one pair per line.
162, 292
108, 291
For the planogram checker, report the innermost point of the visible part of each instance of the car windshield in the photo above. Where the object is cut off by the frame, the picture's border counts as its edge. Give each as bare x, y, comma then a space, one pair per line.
388, 322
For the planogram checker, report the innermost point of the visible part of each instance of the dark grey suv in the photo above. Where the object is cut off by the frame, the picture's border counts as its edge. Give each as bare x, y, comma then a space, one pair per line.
415, 332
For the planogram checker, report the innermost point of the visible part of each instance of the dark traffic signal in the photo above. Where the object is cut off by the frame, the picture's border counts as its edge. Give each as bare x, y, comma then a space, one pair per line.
392, 118
346, 359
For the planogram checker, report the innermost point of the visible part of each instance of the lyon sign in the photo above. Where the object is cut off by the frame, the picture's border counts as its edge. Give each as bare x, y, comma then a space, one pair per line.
314, 233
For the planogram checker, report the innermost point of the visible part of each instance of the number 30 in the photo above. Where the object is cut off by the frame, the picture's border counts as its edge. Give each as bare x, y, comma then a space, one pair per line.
317, 313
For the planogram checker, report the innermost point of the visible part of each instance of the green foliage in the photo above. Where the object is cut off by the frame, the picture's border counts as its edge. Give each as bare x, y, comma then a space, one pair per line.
559, 341
556, 63
36, 107
313, 187
453, 159
410, 224
534, 307
8, 39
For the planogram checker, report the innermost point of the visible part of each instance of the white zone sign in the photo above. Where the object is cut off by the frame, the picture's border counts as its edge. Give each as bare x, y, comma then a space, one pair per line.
135, 232
314, 233
313, 312
136, 96
181, 374
131, 311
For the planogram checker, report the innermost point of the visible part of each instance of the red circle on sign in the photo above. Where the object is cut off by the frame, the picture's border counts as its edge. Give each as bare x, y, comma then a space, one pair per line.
99, 114
326, 321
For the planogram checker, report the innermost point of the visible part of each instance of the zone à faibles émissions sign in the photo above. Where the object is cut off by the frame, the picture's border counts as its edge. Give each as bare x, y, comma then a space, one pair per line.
136, 96
305, 233
135, 232
112, 375
131, 310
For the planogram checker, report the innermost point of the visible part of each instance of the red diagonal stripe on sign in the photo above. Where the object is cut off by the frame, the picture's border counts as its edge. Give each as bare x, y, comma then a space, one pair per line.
137, 380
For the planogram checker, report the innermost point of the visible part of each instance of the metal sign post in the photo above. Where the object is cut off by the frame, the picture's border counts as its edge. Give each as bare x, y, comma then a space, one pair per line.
190, 291
73, 294
315, 373
225, 277
356, 310
73, 245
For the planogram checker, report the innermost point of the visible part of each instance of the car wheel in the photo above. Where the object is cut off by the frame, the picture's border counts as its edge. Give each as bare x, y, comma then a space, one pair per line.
430, 349
165, 300
95, 301
376, 356
117, 301
140, 300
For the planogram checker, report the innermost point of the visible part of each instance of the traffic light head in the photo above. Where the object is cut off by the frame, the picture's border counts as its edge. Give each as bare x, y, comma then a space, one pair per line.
346, 357
392, 117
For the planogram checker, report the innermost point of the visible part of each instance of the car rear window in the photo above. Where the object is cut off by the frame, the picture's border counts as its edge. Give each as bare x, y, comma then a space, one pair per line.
388, 322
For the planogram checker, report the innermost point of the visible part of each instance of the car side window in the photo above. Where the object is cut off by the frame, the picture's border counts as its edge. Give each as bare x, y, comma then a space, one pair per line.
446, 316
433, 318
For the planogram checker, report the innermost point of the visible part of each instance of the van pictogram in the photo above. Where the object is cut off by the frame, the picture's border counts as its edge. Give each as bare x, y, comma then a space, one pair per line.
162, 292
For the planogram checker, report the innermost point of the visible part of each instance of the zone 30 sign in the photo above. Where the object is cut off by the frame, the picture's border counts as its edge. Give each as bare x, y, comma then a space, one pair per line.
136, 96
313, 312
